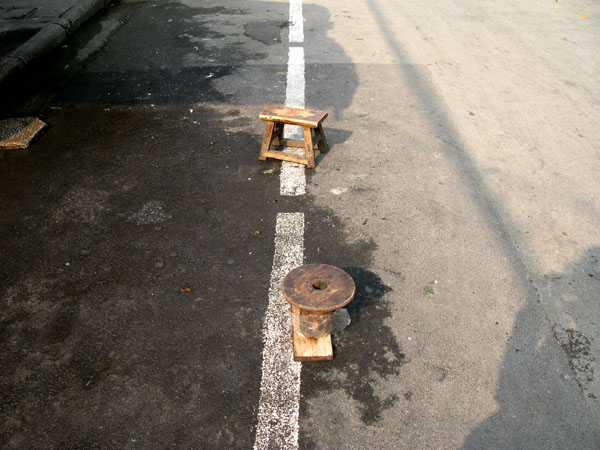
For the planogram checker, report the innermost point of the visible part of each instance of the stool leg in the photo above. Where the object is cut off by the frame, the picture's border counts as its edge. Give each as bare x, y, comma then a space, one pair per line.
308, 148
266, 142
277, 134
323, 147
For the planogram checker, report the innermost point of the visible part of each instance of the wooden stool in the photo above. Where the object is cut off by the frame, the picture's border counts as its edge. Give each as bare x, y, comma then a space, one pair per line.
277, 117
314, 291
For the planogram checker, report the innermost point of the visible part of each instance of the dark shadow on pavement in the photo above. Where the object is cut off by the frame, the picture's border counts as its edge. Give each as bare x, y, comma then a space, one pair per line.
535, 391
369, 290
365, 351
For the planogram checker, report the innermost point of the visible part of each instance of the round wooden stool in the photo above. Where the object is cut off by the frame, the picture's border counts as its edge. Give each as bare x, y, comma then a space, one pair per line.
314, 291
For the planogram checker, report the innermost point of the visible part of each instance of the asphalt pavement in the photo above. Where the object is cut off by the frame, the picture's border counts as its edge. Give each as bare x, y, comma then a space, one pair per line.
31, 28
139, 233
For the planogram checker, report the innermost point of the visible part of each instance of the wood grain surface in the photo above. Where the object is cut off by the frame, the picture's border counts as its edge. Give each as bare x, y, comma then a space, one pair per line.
318, 288
311, 118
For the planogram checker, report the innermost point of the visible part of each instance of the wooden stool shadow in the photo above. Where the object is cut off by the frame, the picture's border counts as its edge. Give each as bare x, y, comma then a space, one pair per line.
314, 136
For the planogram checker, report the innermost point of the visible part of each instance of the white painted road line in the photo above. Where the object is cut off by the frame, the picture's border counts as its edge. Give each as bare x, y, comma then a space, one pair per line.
292, 177
294, 93
296, 22
279, 403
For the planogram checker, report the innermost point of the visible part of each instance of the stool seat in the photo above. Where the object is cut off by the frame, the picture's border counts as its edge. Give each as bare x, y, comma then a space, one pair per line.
310, 119
318, 288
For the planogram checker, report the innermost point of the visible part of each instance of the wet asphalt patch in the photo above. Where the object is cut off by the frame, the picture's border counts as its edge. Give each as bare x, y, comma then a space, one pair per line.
367, 349
178, 343
134, 283
137, 283
268, 32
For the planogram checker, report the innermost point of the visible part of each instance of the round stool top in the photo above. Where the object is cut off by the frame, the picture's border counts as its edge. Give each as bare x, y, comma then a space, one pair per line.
318, 288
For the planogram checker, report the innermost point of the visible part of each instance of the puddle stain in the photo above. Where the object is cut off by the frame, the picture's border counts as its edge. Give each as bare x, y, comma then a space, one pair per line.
58, 321
367, 351
577, 347
268, 32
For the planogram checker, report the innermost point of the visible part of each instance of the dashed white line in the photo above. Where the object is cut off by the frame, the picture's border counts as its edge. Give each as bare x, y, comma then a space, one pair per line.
292, 177
294, 93
279, 403
296, 22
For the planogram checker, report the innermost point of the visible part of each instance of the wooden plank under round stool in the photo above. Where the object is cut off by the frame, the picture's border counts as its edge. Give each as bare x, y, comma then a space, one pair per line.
310, 119
314, 292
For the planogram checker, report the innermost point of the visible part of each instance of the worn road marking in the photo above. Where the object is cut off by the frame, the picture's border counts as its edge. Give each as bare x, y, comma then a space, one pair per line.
294, 93
292, 177
279, 403
296, 22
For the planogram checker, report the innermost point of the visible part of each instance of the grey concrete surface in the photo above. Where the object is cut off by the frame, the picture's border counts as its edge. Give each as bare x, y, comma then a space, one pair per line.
31, 28
473, 157
460, 193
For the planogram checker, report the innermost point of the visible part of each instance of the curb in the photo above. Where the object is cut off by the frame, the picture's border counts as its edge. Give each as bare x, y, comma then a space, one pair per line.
49, 37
